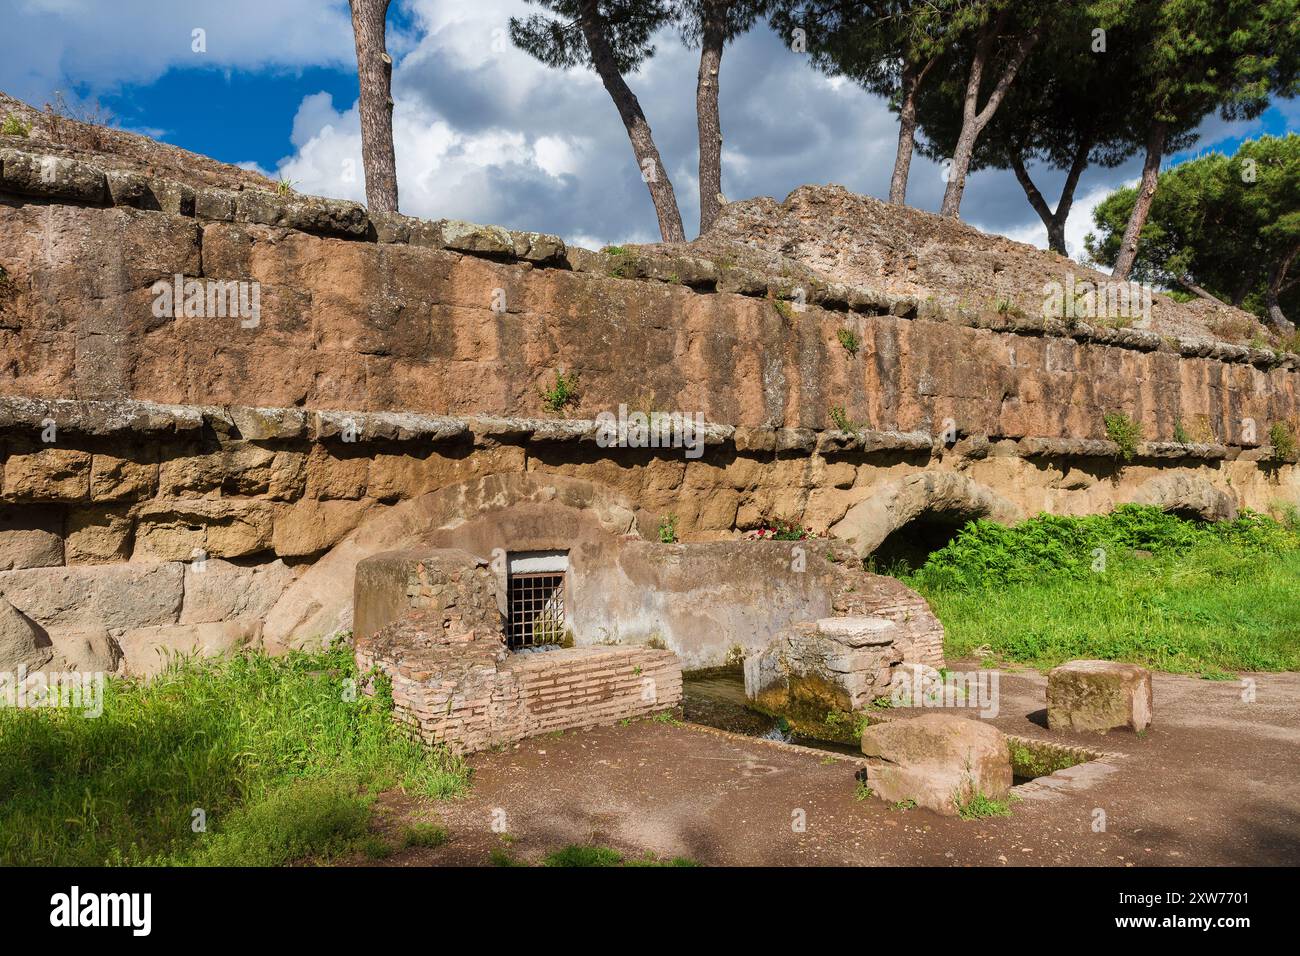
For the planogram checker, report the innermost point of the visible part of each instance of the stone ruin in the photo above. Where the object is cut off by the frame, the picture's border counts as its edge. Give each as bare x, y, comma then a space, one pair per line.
183, 481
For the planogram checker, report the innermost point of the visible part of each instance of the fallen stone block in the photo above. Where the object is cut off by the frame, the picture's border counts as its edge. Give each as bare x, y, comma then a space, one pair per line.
1098, 696
939, 760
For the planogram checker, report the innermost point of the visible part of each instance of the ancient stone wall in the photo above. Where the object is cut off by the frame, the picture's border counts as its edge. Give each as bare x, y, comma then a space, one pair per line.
173, 479
387, 313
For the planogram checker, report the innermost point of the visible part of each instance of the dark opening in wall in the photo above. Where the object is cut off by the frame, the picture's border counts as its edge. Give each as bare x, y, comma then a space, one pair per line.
908, 547
537, 587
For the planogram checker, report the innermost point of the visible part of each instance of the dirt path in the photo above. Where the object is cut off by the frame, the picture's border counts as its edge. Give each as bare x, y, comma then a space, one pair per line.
1214, 781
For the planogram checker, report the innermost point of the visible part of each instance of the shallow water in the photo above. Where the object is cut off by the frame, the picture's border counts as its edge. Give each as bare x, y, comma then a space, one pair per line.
718, 700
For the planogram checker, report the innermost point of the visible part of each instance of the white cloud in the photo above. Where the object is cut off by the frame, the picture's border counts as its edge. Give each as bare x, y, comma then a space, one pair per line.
47, 43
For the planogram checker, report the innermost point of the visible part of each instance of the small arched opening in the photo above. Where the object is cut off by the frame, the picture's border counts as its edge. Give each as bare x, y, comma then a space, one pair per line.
910, 545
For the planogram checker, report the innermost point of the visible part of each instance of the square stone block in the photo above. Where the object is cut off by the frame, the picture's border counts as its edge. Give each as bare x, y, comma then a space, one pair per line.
1098, 696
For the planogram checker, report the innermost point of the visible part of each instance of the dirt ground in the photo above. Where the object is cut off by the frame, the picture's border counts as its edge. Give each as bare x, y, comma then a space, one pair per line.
1214, 781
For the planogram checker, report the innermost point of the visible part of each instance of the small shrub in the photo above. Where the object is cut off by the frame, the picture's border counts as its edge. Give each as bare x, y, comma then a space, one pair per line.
375, 848
979, 807
849, 340
668, 529
840, 419
285, 186
502, 857
14, 126
424, 834
1124, 432
1283, 441
562, 393
1180, 434
862, 791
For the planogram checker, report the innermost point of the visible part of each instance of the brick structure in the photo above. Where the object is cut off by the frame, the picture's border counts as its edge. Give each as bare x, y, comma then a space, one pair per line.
455, 683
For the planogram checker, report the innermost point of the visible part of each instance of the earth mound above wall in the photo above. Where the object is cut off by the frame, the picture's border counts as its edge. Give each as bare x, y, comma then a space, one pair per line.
845, 237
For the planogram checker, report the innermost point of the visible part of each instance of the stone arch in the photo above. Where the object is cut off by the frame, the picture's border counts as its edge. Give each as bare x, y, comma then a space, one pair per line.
529, 510
936, 497
1186, 495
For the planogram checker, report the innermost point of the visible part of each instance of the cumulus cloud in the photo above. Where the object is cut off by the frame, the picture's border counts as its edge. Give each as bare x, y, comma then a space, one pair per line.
50, 44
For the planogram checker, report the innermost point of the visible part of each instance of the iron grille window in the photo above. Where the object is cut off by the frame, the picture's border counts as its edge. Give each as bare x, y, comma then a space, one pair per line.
536, 609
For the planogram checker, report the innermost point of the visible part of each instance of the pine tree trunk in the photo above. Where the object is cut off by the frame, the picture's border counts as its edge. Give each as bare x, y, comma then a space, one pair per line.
1054, 221
1142, 206
375, 73
710, 127
638, 129
975, 119
1275, 284
906, 133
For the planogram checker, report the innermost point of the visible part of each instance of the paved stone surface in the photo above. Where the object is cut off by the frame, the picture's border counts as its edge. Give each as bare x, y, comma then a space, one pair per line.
1214, 781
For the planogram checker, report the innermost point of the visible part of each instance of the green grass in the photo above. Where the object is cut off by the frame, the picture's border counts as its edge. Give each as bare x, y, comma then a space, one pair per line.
281, 763
1170, 594
595, 855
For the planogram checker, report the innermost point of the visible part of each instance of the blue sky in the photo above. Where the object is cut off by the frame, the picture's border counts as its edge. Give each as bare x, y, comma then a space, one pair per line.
483, 132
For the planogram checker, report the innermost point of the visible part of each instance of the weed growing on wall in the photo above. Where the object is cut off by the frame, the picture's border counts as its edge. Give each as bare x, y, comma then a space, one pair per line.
849, 340
562, 393
1124, 432
1283, 441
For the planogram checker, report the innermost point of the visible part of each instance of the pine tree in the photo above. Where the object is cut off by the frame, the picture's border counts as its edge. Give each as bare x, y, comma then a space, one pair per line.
1224, 228
711, 25
887, 47
612, 37
375, 74
1072, 106
1203, 55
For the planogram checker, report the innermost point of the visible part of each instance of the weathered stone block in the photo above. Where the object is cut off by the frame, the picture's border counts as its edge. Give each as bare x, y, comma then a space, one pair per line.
451, 586
178, 529
331, 476
22, 641
834, 664
36, 174
97, 536
89, 649
309, 526
47, 474
939, 760
217, 590
122, 479
113, 596
190, 475
31, 536
1098, 696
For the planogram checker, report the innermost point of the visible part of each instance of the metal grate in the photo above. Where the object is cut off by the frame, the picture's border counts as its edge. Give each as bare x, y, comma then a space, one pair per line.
536, 609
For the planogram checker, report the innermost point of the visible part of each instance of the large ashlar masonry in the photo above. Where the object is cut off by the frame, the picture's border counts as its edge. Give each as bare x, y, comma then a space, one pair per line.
176, 483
